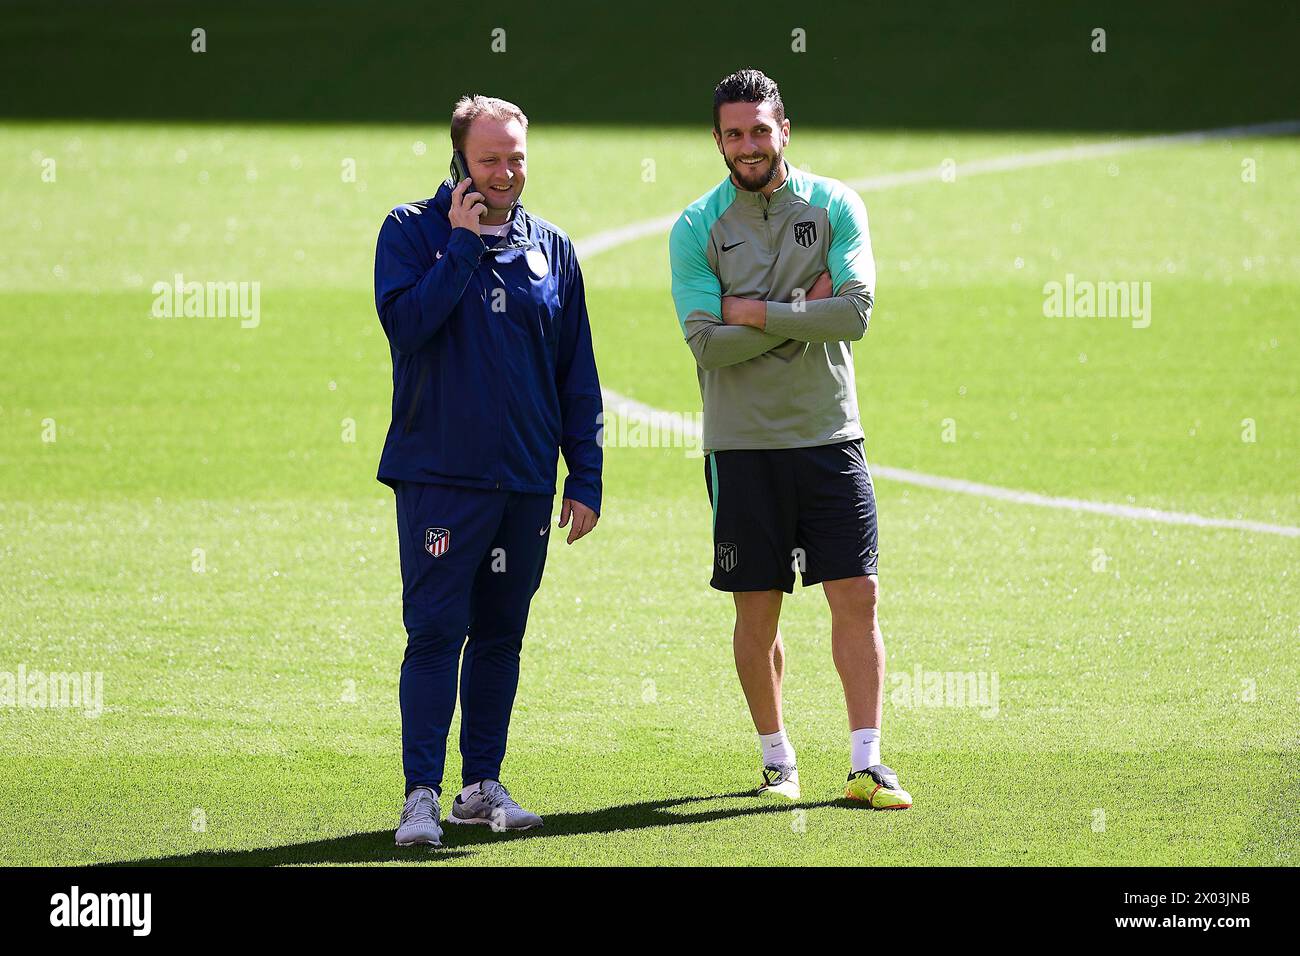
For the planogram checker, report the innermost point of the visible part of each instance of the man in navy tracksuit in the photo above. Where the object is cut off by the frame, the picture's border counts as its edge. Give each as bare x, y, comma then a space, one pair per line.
493, 375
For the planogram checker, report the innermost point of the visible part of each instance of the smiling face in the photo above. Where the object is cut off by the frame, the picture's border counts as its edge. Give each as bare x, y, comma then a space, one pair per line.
496, 151
752, 141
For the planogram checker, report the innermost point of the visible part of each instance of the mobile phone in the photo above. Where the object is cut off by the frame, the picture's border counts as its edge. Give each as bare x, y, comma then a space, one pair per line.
459, 168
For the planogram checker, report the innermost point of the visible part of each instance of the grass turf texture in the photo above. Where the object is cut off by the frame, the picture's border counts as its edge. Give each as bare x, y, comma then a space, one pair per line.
1161, 690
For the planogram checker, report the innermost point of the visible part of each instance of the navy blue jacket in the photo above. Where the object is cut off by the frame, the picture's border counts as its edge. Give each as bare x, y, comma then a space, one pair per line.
493, 371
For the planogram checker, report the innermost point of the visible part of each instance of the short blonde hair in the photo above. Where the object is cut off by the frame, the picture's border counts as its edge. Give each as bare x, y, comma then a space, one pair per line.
470, 107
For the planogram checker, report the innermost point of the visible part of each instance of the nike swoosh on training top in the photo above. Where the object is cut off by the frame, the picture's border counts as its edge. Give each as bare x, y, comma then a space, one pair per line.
727, 248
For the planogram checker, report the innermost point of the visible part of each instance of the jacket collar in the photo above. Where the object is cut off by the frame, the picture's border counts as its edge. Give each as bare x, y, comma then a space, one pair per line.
761, 203
518, 236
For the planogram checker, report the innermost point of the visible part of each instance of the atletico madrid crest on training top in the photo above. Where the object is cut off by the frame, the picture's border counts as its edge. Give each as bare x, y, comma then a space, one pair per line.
437, 541
805, 233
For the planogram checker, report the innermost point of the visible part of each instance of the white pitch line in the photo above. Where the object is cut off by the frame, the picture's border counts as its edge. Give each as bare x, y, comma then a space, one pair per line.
1078, 504
632, 410
668, 423
612, 238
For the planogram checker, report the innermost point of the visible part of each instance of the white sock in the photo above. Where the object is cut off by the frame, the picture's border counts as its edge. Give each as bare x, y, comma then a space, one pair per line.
866, 747
464, 794
775, 748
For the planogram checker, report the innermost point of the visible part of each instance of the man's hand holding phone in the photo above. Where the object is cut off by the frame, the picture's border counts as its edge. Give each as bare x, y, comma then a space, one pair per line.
466, 207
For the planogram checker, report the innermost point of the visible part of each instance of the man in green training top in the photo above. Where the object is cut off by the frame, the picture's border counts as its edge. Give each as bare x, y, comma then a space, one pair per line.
773, 277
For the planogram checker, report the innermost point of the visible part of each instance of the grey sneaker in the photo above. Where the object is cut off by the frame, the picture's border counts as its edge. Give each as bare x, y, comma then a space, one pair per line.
492, 804
781, 779
419, 822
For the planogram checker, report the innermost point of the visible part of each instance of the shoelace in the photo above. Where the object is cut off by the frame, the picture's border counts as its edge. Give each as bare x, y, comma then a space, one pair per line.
495, 795
419, 809
887, 780
773, 775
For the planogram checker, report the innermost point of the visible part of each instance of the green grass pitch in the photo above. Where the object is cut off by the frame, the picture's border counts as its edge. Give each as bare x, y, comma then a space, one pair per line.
1148, 674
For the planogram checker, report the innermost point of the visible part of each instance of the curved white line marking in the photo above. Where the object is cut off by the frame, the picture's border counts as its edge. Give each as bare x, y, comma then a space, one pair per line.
668, 422
612, 238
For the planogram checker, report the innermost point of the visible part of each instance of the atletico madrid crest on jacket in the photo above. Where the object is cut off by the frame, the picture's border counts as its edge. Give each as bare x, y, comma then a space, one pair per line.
437, 541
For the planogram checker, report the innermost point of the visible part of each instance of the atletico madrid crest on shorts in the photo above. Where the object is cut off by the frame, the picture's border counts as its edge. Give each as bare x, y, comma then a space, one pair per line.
437, 541
728, 556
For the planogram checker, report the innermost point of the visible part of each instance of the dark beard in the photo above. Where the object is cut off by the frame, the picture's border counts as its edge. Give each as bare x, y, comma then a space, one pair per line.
738, 177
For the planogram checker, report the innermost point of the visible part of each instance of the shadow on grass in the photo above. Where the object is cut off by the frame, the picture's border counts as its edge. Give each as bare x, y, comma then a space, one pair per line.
378, 847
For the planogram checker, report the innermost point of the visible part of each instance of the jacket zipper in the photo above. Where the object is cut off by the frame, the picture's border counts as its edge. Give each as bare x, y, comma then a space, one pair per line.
499, 352
501, 405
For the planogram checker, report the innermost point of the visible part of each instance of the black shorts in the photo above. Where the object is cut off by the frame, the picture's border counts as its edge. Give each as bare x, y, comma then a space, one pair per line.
781, 510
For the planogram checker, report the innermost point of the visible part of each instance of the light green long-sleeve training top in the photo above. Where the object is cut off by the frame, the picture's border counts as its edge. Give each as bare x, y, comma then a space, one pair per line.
792, 385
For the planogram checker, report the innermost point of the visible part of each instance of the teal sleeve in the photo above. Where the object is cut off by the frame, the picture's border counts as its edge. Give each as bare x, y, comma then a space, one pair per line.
849, 258
695, 286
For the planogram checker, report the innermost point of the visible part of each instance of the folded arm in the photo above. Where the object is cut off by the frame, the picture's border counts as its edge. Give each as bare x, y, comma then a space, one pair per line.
697, 295
716, 344
816, 316
837, 308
